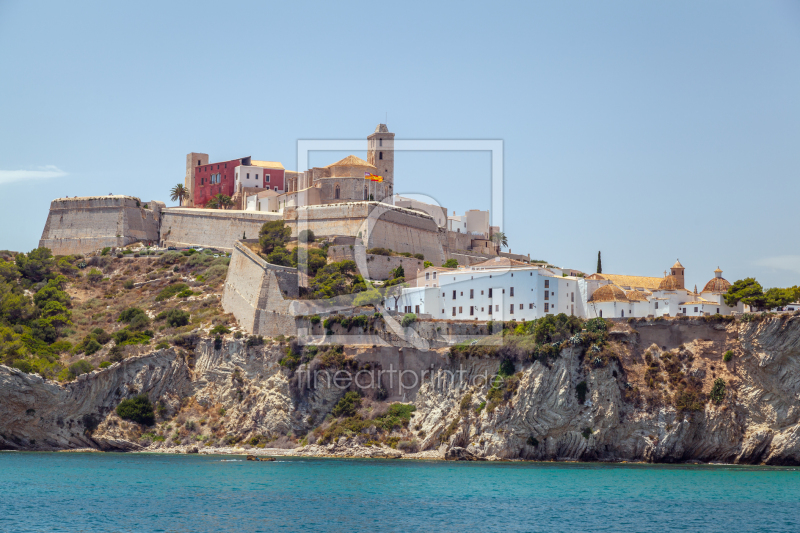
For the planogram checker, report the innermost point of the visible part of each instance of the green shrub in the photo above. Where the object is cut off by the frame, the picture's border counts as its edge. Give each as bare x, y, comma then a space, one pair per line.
137, 409
580, 390
419, 256
105, 250
80, 367
106, 364
314, 319
306, 236
129, 314
450, 263
171, 290
219, 329
506, 368
408, 319
175, 318
348, 405
186, 293
128, 284
379, 251
727, 356
161, 345
718, 391
94, 275
91, 347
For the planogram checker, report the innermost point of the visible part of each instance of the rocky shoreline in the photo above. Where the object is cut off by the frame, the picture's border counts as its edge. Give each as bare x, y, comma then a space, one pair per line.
236, 400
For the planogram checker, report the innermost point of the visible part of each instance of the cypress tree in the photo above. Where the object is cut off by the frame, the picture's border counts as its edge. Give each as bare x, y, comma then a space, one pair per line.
599, 264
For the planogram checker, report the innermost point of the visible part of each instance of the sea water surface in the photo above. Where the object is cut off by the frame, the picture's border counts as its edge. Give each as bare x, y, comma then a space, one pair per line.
202, 493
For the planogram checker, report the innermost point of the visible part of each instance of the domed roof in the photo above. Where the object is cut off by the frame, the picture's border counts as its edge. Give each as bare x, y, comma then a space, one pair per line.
351, 161
609, 293
717, 285
670, 283
637, 296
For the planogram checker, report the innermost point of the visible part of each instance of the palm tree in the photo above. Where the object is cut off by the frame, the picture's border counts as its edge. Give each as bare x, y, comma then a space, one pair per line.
178, 193
220, 201
500, 239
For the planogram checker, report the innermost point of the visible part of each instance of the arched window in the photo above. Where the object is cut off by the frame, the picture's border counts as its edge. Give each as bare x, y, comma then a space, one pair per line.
380, 155
366, 194
336, 193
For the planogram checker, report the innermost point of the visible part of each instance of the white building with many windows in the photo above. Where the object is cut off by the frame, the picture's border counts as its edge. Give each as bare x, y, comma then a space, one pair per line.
504, 289
498, 289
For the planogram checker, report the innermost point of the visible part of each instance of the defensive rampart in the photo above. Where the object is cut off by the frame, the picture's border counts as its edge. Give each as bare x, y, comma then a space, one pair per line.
86, 224
256, 294
213, 228
378, 267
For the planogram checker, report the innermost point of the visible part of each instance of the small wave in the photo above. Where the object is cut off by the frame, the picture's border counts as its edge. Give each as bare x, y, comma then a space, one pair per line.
230, 460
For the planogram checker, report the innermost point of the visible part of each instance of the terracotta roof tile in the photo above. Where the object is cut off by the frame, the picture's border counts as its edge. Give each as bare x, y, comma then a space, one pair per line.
629, 281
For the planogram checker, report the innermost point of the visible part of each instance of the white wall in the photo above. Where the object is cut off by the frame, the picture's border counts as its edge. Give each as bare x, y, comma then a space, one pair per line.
256, 178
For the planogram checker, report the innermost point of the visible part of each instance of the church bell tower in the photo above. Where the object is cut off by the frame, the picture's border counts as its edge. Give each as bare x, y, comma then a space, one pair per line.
380, 153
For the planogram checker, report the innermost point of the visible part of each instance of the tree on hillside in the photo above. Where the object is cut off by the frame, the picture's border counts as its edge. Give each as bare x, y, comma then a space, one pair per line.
273, 234
178, 193
777, 297
599, 264
450, 263
499, 239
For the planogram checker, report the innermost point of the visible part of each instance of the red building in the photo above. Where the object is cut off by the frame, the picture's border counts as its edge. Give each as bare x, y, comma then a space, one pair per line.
223, 177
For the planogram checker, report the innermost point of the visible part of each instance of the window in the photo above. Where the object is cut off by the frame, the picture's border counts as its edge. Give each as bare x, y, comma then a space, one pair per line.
530, 306
198, 162
380, 155
416, 309
572, 296
622, 313
490, 309
601, 313
462, 293
434, 274
490, 293
454, 295
266, 178
790, 309
276, 187
547, 307
546, 295
547, 284
442, 295
471, 310
512, 309
471, 294
248, 175
427, 275
656, 305
366, 194
521, 307
336, 193
496, 307
481, 293
695, 309
512, 291
459, 310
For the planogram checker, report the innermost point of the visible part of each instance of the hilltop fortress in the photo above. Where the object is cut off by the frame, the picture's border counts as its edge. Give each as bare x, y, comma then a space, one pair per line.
331, 201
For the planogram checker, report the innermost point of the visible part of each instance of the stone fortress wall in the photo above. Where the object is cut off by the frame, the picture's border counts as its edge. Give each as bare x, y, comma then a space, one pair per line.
378, 267
211, 228
90, 223
257, 293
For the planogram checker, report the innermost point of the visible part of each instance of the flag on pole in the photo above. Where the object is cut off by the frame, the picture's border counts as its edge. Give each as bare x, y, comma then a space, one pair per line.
373, 177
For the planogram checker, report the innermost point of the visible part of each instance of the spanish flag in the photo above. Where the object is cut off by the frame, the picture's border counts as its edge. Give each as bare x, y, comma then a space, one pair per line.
372, 177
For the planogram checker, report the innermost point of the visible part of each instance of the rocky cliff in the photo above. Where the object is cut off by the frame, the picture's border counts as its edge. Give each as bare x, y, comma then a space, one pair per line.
656, 398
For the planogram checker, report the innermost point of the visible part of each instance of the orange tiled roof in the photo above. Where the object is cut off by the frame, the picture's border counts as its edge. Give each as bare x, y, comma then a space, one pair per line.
351, 161
609, 293
629, 281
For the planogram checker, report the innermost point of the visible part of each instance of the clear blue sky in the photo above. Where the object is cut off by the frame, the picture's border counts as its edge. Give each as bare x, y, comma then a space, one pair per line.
650, 131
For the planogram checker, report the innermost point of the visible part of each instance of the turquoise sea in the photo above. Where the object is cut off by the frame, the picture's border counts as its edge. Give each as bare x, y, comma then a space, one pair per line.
141, 492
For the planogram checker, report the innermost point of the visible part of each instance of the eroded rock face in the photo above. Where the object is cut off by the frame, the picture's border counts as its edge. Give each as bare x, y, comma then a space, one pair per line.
540, 417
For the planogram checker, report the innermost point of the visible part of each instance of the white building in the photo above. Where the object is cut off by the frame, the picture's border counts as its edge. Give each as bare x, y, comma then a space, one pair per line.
498, 289
504, 289
259, 175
